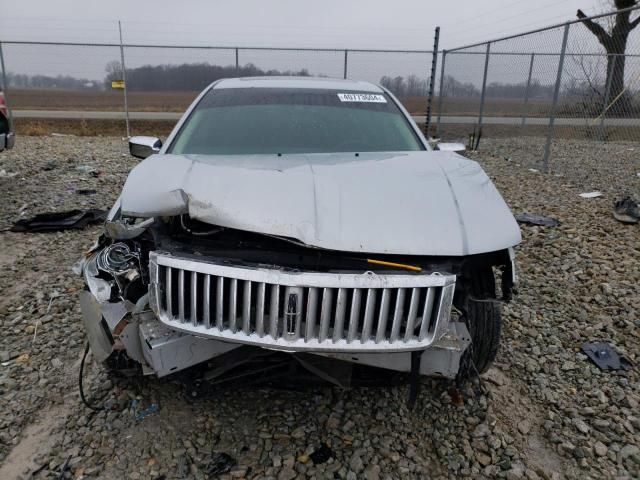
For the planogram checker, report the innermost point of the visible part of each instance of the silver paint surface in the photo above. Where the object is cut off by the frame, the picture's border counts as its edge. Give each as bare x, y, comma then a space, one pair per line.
411, 203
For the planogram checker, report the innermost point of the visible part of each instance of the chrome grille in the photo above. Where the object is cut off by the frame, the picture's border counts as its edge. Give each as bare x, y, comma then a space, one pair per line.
301, 310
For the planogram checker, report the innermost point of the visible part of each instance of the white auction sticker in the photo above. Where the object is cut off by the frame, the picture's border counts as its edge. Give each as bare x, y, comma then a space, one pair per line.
362, 97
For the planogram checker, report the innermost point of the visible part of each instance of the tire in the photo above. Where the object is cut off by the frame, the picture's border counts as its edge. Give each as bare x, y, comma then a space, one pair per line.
482, 318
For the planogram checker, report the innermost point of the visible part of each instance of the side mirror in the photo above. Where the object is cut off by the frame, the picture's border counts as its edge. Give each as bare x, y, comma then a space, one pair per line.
142, 147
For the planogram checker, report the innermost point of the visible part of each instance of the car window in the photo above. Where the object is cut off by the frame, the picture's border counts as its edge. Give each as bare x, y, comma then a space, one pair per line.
269, 121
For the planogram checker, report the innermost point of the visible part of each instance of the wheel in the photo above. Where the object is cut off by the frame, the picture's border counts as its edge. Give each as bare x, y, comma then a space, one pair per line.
473, 298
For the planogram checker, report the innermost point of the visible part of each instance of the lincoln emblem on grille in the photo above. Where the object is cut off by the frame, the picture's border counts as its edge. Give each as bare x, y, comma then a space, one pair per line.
291, 313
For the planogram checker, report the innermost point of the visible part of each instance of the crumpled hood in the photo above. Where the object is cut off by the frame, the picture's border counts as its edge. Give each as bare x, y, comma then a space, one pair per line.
409, 203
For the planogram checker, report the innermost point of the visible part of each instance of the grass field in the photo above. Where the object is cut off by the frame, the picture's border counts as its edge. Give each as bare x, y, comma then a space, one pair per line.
178, 101
100, 101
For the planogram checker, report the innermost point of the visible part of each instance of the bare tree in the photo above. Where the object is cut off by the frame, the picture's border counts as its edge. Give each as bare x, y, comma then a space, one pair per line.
614, 42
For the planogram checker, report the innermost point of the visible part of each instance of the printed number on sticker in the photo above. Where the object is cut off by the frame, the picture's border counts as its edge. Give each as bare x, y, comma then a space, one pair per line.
362, 97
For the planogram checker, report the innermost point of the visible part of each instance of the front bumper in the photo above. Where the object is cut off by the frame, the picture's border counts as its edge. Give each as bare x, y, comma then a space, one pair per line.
200, 310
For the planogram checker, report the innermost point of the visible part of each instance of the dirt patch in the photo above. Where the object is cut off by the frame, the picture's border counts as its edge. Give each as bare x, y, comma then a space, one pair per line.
36, 438
521, 417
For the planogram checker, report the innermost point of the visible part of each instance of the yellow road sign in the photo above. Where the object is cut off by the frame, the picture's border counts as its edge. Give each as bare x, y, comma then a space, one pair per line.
117, 83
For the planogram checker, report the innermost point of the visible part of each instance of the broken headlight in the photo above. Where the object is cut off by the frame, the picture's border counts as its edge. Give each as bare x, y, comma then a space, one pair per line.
118, 259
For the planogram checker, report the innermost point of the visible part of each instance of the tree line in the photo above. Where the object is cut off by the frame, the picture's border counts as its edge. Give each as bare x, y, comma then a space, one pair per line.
66, 82
196, 76
188, 76
412, 86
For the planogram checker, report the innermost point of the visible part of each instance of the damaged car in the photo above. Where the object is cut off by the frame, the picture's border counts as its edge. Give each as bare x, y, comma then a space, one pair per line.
300, 216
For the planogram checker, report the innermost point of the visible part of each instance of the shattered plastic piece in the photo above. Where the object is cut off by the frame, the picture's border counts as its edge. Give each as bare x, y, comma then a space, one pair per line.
5, 174
57, 221
595, 194
118, 230
534, 219
141, 415
605, 357
626, 210
221, 463
322, 454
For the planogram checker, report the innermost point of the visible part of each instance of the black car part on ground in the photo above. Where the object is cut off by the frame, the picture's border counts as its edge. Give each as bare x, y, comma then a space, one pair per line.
605, 357
58, 221
535, 219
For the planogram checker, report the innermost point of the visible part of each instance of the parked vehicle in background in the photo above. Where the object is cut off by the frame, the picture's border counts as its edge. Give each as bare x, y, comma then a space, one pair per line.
300, 215
7, 137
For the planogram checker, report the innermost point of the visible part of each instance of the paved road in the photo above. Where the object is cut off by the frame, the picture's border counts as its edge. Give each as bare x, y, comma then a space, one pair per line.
448, 119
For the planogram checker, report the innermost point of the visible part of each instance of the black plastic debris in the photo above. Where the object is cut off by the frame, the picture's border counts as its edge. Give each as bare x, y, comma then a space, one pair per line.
605, 357
220, 464
57, 221
65, 465
86, 191
322, 454
50, 165
534, 219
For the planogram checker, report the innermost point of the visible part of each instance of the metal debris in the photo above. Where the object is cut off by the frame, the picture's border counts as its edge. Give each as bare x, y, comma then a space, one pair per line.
595, 194
605, 357
535, 219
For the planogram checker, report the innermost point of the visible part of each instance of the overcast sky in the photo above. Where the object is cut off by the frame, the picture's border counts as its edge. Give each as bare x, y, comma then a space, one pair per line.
339, 24
397, 24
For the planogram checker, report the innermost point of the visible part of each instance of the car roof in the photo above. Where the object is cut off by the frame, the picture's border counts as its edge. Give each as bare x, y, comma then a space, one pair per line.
321, 83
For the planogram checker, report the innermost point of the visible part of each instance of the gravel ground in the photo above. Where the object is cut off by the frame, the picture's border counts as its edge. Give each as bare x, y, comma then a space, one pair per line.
544, 410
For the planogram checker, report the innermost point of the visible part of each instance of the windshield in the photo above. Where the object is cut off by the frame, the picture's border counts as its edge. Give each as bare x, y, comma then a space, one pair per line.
272, 120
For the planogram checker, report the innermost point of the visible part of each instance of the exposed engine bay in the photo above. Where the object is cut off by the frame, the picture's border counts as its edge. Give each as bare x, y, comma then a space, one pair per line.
126, 332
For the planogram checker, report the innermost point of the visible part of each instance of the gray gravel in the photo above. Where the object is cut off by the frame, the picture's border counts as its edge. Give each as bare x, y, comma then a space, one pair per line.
546, 411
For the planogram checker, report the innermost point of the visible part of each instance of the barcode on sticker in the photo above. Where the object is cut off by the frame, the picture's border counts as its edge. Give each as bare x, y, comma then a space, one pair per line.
362, 97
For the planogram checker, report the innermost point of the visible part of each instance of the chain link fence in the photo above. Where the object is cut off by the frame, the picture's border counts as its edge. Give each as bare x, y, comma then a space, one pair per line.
45, 80
575, 84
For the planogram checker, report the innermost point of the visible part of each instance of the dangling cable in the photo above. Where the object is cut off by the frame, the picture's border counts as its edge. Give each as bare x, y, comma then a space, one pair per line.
84, 400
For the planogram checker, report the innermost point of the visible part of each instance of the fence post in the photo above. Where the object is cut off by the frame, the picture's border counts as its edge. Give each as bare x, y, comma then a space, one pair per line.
607, 94
237, 62
441, 93
124, 79
5, 88
346, 53
527, 90
432, 79
556, 94
484, 89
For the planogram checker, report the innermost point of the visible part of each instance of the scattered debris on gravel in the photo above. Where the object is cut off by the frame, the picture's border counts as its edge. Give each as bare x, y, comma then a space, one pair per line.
543, 411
